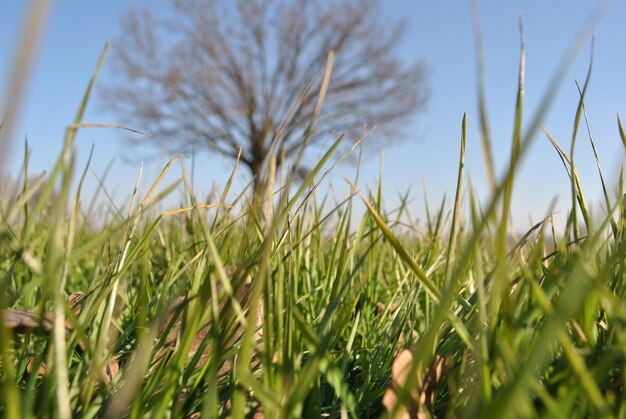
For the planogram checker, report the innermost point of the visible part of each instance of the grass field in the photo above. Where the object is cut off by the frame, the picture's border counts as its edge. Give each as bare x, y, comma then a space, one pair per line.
290, 306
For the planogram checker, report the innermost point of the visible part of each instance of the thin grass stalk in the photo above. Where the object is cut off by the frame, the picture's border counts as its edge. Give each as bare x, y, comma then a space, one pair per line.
226, 190
500, 293
485, 135
605, 192
456, 214
32, 33
26, 180
579, 109
622, 133
53, 271
573, 176
59, 306
309, 131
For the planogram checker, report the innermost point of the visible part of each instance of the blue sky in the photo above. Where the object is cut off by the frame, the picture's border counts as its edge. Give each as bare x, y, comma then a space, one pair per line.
439, 32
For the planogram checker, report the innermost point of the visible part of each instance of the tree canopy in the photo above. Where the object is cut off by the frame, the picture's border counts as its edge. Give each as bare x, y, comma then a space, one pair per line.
247, 76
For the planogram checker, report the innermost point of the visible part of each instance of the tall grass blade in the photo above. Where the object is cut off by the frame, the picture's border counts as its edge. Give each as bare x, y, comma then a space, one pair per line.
485, 135
577, 193
605, 192
32, 33
622, 133
456, 214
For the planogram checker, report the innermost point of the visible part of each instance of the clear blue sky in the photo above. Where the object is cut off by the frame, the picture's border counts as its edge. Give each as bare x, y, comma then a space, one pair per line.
439, 32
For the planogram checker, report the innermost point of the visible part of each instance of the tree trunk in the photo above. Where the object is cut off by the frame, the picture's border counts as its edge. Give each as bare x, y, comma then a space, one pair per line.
256, 169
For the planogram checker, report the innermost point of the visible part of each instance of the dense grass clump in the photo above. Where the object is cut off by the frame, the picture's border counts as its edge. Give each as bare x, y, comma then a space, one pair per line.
286, 306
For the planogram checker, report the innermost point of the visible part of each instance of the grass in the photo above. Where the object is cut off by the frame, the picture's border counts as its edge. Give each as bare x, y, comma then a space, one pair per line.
530, 325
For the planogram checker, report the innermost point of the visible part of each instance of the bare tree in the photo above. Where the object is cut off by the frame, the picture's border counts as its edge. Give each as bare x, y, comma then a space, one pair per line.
247, 75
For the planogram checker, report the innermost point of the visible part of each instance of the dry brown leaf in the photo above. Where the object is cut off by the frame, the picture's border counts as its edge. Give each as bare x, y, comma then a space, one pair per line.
21, 321
380, 308
423, 396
